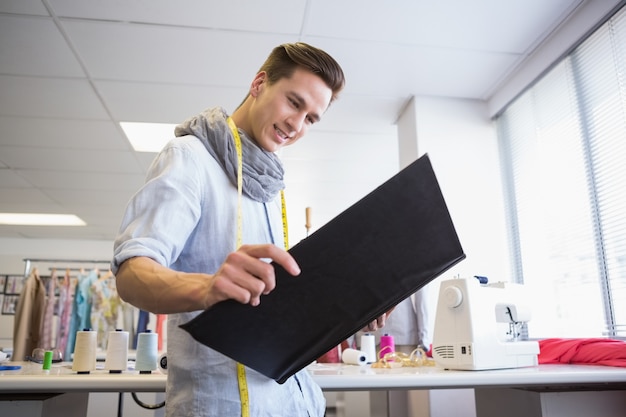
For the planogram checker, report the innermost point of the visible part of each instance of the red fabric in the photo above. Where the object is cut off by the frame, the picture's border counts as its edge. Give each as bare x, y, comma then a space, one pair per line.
592, 351
159, 330
334, 355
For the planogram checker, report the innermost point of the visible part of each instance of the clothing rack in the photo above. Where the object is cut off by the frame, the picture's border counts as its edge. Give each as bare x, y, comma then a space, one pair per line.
28, 263
66, 269
27, 267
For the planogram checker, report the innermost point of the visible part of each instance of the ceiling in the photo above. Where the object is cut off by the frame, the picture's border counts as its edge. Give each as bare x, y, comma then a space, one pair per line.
71, 70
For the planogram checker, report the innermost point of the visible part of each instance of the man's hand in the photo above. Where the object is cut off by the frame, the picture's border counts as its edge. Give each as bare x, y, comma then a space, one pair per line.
378, 323
245, 276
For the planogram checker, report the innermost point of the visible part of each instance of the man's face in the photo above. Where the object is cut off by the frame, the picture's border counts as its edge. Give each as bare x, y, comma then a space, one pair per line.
282, 112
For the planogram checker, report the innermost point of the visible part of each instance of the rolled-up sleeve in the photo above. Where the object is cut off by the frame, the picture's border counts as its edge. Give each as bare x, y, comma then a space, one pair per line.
160, 217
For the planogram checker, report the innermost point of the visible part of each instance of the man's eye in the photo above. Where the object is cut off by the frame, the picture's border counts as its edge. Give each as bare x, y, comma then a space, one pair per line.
294, 103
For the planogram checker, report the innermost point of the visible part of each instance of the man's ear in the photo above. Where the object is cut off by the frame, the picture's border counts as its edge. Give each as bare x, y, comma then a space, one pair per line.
257, 84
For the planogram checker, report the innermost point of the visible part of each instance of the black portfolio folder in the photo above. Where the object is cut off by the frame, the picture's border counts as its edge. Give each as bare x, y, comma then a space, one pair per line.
359, 265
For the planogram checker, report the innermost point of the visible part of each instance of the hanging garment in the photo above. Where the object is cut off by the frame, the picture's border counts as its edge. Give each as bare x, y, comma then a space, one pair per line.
81, 309
28, 317
105, 307
66, 297
47, 324
85, 300
160, 321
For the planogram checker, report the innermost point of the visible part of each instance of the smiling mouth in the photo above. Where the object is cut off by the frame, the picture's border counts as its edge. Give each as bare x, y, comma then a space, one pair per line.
281, 134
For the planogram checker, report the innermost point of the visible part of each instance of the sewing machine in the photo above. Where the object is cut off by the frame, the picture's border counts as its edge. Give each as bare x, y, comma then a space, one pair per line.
478, 325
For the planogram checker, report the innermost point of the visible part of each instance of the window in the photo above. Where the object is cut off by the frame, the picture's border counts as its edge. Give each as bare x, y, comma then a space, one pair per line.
563, 147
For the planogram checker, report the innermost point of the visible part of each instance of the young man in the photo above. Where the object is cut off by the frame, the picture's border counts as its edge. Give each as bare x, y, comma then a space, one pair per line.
178, 250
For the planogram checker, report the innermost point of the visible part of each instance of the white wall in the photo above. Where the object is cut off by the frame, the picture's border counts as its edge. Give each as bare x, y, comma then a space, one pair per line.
14, 250
461, 142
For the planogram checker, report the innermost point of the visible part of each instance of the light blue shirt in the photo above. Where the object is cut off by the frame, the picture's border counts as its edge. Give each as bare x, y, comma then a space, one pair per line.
185, 218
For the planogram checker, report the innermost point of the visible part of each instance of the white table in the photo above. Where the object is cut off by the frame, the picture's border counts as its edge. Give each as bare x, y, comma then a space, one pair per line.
542, 391
494, 389
61, 392
61, 379
338, 377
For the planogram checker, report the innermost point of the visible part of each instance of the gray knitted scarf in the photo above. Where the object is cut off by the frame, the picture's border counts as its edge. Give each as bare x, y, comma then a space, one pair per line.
262, 170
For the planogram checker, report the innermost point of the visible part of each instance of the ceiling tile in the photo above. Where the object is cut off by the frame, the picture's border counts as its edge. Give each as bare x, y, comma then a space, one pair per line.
69, 160
278, 16
34, 46
479, 25
11, 231
32, 7
403, 72
124, 51
10, 179
165, 103
84, 181
49, 97
31, 199
62, 133
105, 213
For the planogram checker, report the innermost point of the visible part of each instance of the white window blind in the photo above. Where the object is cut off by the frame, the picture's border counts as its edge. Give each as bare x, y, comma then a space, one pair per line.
563, 144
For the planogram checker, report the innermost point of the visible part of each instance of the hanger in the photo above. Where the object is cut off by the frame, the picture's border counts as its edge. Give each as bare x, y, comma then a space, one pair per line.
106, 275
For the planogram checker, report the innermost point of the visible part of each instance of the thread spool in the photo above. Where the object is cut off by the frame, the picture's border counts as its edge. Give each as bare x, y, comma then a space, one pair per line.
368, 346
147, 352
163, 363
387, 345
117, 352
85, 351
354, 357
47, 360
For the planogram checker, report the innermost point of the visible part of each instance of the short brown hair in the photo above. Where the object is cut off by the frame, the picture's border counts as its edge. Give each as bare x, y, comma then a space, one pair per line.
284, 59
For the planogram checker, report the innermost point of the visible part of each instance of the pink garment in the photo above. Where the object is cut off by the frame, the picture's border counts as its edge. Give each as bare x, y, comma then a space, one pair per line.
591, 351
66, 300
160, 320
47, 324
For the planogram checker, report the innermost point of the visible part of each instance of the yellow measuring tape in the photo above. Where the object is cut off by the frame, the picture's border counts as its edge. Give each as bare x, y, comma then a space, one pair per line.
241, 370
